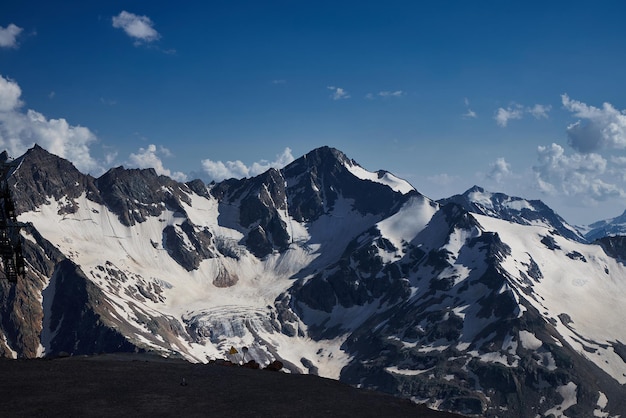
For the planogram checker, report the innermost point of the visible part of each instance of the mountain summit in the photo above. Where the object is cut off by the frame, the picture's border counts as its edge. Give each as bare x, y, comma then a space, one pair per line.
481, 303
513, 209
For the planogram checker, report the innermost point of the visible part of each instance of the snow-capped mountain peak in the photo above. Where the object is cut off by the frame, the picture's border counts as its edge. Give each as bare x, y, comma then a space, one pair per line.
514, 209
482, 303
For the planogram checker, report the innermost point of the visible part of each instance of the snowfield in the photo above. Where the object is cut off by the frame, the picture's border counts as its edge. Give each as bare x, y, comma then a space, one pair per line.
93, 237
589, 292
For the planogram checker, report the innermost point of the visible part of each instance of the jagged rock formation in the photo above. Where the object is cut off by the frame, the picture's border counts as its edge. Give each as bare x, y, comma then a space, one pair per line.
481, 303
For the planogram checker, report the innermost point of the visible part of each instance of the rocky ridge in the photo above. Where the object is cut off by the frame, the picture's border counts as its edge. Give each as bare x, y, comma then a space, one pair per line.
471, 304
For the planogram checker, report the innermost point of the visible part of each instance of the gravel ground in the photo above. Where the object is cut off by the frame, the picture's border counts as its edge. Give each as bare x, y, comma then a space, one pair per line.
147, 386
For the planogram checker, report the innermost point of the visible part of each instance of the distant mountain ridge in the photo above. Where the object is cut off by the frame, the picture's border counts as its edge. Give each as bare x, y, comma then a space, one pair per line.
514, 209
609, 227
481, 304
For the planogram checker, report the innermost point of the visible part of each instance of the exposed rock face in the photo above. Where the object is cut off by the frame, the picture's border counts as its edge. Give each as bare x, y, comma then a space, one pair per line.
43, 176
615, 246
187, 244
317, 179
74, 315
134, 195
260, 201
482, 304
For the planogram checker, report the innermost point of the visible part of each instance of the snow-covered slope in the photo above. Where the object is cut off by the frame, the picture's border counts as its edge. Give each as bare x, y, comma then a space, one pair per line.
481, 304
514, 209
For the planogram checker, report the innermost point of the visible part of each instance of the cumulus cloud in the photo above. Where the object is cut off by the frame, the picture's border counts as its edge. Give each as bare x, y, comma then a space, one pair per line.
517, 111
140, 28
338, 93
539, 111
21, 129
621, 161
499, 170
218, 170
597, 128
8, 36
10, 93
149, 158
503, 116
578, 174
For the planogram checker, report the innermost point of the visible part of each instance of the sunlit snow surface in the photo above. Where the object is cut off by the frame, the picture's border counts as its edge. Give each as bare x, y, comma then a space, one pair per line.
591, 293
93, 237
385, 178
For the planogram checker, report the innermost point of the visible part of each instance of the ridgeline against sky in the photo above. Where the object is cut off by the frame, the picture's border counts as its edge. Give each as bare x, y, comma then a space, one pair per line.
523, 99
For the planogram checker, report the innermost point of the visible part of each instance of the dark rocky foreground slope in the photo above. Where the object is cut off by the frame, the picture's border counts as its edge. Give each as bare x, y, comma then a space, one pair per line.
137, 385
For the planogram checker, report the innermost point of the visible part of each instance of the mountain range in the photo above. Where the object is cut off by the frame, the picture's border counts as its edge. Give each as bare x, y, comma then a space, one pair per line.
481, 304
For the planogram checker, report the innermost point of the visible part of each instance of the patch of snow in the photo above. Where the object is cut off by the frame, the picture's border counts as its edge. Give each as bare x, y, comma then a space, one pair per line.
518, 204
388, 179
529, 341
495, 357
411, 219
603, 401
6, 344
568, 393
481, 198
406, 372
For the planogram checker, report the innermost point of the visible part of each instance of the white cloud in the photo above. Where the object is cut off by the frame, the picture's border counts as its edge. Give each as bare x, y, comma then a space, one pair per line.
397, 93
619, 161
108, 102
583, 175
503, 116
20, 130
539, 111
443, 179
338, 93
499, 170
469, 114
10, 93
517, 111
137, 27
8, 36
149, 158
110, 157
218, 170
598, 128
384, 94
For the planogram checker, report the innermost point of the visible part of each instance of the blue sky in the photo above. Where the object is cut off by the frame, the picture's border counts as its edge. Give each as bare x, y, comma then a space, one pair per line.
525, 98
